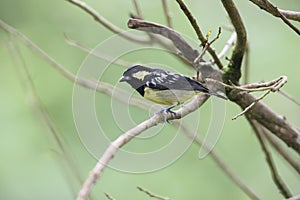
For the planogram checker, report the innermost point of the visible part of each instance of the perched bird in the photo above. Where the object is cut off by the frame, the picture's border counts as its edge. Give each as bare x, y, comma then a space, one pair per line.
163, 87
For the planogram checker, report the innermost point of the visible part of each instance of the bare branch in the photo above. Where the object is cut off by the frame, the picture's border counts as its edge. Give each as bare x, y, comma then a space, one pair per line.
279, 148
138, 9
292, 15
283, 14
277, 124
255, 87
275, 175
90, 84
220, 162
150, 194
167, 13
126, 137
67, 159
251, 105
234, 72
289, 97
199, 33
108, 196
101, 56
297, 197
107, 24
200, 59
228, 45
277, 84
178, 41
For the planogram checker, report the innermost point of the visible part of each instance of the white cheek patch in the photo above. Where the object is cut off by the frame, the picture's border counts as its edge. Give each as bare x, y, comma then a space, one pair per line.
140, 75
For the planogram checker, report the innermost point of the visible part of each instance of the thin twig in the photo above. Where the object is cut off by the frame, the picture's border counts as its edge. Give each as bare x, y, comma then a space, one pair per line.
272, 121
289, 97
138, 9
103, 56
90, 84
108, 196
275, 87
251, 105
206, 46
199, 33
284, 15
220, 162
281, 150
254, 87
67, 158
107, 24
227, 46
275, 175
281, 16
167, 13
151, 194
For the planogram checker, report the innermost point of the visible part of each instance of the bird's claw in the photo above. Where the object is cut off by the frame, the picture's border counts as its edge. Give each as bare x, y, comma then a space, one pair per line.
165, 112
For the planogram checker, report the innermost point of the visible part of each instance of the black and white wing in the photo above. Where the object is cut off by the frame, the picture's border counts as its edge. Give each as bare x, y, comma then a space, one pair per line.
164, 80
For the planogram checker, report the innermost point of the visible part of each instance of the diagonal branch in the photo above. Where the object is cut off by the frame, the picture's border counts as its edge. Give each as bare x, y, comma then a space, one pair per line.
284, 15
220, 162
275, 175
178, 41
293, 15
167, 13
107, 24
126, 137
275, 123
151, 194
199, 33
294, 163
90, 84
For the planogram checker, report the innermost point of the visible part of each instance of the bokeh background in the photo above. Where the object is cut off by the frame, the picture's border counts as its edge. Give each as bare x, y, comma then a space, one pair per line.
34, 167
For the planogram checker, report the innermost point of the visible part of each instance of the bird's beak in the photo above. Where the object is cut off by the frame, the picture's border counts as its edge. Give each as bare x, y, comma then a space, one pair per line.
124, 78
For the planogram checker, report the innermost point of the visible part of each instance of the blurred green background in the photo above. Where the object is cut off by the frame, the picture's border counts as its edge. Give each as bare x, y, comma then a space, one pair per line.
33, 166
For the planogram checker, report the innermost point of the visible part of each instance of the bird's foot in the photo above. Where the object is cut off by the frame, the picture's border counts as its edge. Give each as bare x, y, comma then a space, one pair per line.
165, 111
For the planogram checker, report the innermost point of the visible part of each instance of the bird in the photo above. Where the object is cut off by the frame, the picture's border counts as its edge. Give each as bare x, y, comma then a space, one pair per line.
164, 87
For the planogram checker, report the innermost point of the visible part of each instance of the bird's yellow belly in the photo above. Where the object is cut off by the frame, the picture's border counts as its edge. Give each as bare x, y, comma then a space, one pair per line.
168, 97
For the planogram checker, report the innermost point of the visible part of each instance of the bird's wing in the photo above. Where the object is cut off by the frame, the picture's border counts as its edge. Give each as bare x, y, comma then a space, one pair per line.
163, 80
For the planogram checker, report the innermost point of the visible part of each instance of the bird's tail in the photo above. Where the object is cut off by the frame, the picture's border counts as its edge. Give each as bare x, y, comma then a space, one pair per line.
217, 95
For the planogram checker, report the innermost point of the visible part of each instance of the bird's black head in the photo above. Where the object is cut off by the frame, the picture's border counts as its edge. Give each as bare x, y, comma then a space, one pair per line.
135, 75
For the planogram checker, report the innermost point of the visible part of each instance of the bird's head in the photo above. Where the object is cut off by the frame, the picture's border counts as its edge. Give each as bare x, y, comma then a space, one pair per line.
135, 75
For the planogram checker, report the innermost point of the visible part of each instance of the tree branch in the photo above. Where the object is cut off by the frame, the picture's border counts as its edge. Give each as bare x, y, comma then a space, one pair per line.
279, 148
199, 33
233, 74
275, 175
220, 162
167, 13
178, 41
278, 125
90, 84
108, 196
138, 9
151, 194
126, 137
283, 14
107, 24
